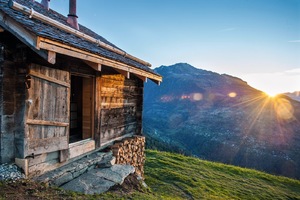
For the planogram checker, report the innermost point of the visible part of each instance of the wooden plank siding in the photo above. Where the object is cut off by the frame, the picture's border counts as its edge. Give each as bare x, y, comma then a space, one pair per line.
120, 107
35, 111
47, 110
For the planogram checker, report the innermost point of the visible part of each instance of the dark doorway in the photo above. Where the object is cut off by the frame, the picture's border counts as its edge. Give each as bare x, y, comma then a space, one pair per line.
81, 101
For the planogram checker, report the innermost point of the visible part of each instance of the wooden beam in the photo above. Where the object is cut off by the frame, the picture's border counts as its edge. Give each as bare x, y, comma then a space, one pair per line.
17, 30
46, 123
23, 164
47, 44
1, 29
81, 148
51, 57
95, 66
143, 78
50, 79
45, 157
45, 145
124, 72
64, 155
22, 34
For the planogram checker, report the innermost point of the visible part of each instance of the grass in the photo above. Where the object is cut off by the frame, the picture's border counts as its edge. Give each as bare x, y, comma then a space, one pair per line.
174, 176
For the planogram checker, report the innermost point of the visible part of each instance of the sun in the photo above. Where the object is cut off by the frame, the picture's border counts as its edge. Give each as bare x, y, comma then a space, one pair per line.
271, 94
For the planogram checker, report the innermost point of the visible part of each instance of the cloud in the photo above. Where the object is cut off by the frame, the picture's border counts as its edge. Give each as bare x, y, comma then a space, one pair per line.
294, 41
227, 29
295, 71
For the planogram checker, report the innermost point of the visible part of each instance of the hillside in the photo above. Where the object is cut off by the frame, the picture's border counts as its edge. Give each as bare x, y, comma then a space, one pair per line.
221, 118
294, 95
173, 176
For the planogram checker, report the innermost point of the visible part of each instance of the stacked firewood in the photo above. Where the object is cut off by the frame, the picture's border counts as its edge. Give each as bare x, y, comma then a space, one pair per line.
131, 151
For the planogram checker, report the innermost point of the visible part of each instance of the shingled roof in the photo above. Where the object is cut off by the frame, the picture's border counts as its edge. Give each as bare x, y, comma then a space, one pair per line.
45, 30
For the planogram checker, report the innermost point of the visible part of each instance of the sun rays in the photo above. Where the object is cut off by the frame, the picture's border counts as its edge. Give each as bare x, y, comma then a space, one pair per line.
267, 119
284, 109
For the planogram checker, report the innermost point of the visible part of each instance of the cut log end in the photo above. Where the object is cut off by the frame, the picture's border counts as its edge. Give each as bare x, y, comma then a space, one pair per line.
131, 151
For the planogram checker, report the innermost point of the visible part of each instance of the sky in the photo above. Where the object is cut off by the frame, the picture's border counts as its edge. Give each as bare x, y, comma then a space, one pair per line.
256, 40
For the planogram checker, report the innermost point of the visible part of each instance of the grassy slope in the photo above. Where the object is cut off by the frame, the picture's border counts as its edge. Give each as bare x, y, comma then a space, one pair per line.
174, 176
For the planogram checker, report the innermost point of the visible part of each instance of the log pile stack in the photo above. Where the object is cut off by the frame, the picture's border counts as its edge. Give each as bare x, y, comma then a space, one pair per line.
131, 151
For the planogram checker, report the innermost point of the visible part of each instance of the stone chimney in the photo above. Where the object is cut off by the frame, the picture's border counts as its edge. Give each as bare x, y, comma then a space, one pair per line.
45, 4
72, 17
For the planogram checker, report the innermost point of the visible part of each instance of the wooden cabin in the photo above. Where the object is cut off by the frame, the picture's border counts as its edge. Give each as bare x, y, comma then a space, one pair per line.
65, 91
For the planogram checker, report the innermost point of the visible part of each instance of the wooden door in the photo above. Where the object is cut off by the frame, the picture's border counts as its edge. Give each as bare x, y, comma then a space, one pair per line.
47, 110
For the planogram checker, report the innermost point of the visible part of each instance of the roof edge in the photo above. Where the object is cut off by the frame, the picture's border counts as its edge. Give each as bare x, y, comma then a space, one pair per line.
91, 58
32, 13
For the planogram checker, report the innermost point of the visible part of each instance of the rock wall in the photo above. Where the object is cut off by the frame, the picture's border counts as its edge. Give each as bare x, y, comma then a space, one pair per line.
131, 151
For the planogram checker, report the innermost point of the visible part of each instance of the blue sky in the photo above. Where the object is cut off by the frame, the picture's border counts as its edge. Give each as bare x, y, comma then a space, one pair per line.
257, 40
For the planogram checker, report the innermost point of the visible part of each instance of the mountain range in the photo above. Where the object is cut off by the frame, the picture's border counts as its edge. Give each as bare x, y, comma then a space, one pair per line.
221, 118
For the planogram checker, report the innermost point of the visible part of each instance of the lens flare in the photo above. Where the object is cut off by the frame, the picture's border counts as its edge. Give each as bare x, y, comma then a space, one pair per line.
197, 96
284, 109
232, 94
185, 96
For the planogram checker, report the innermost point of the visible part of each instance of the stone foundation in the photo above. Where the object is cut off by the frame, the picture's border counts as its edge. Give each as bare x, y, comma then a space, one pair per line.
75, 169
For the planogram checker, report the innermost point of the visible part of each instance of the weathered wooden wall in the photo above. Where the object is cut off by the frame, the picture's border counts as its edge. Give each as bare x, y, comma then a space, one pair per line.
120, 109
12, 78
7, 111
47, 110
35, 105
57, 118
12, 108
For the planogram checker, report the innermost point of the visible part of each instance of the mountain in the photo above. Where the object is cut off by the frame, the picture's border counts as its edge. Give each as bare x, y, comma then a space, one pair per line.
221, 118
294, 95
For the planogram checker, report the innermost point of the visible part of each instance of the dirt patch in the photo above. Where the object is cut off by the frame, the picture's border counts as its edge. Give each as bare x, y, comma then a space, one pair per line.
25, 189
131, 184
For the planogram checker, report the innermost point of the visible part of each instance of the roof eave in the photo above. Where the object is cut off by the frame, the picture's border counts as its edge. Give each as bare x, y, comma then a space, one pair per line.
7, 23
95, 60
48, 49
33, 14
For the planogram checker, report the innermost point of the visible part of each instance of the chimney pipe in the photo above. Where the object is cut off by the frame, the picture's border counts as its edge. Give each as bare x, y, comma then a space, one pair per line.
45, 4
72, 17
